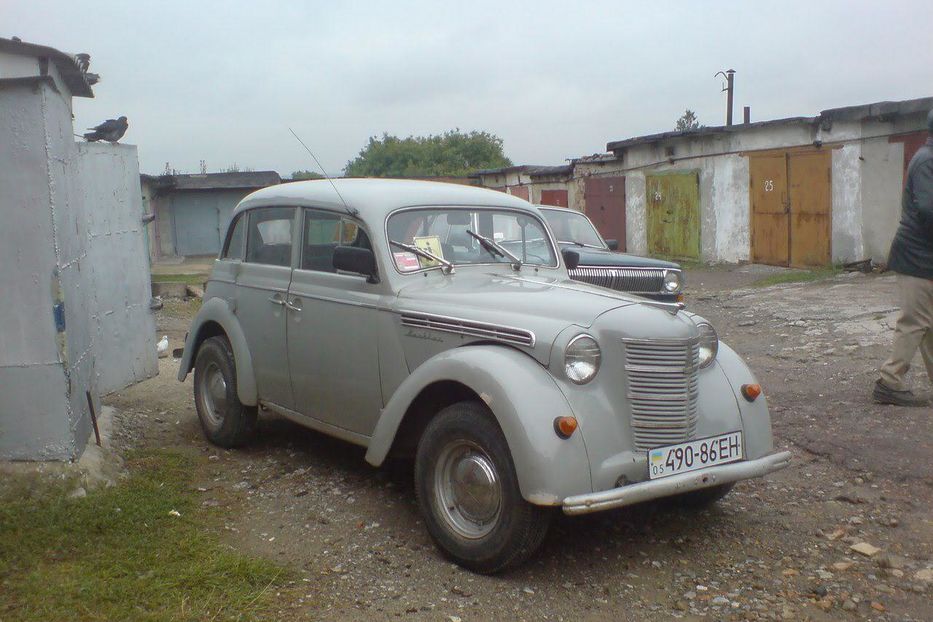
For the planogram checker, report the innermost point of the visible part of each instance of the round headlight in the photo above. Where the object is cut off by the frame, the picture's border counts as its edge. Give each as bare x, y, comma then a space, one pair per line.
581, 359
709, 343
672, 281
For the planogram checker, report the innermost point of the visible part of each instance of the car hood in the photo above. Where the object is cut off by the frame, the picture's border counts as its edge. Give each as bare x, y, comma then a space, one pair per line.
604, 257
543, 305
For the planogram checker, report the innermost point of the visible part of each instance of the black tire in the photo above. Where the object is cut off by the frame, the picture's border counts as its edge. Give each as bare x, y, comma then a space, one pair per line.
699, 499
225, 420
466, 437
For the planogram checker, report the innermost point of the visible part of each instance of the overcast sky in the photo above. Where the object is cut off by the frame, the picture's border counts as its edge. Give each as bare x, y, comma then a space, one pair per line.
223, 81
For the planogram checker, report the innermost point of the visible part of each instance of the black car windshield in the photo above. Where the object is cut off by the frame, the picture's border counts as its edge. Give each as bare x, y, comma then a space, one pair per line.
573, 227
445, 233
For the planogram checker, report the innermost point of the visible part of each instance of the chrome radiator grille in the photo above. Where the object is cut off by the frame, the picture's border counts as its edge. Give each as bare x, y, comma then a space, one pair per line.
635, 280
662, 390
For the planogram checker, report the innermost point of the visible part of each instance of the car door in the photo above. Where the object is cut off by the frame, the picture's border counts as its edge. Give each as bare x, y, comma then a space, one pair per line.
332, 328
261, 288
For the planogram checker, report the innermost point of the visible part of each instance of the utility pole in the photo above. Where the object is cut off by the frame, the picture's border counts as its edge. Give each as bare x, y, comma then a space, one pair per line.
729, 75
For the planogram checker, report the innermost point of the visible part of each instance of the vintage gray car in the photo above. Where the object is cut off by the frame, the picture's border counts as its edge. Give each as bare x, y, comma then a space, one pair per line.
438, 321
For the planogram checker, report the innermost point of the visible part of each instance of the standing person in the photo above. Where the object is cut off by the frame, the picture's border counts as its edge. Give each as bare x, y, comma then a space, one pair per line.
911, 257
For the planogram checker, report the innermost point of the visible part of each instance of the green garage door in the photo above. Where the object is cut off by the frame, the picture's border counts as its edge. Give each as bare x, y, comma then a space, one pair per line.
673, 202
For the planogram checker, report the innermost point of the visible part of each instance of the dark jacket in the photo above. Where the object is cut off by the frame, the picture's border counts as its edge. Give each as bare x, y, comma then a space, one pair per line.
912, 249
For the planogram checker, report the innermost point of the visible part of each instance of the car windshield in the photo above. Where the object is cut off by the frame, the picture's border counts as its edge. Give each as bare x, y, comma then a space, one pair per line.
446, 233
573, 227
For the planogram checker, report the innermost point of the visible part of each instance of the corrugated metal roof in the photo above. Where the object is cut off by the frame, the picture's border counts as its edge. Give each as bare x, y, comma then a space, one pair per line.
75, 79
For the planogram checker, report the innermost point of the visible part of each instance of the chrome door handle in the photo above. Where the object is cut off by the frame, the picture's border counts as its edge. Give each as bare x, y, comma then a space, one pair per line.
292, 306
277, 301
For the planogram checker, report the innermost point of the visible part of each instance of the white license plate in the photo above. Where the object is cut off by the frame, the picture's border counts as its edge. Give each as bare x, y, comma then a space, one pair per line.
700, 454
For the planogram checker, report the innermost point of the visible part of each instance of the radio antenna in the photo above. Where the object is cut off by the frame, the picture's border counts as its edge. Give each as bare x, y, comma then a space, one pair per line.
350, 210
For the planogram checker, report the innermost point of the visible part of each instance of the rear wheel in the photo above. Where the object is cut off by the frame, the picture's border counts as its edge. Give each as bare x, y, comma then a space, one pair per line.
225, 420
469, 495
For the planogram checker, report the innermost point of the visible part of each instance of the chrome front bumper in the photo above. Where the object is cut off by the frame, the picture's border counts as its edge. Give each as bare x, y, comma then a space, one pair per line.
675, 484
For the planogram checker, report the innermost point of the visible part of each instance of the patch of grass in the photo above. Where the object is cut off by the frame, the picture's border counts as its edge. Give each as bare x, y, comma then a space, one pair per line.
184, 308
187, 279
120, 554
798, 276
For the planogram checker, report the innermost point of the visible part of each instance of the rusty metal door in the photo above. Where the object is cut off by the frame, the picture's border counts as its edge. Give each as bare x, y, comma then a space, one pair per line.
809, 175
912, 143
558, 198
604, 203
519, 191
673, 201
770, 218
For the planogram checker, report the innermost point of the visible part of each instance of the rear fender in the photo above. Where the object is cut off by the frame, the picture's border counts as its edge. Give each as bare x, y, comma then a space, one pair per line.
524, 399
215, 311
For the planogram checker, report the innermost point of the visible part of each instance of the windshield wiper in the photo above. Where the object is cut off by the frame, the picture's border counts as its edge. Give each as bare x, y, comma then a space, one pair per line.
446, 266
495, 249
580, 244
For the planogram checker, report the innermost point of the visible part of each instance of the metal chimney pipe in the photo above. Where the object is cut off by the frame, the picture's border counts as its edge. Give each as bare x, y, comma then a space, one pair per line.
747, 115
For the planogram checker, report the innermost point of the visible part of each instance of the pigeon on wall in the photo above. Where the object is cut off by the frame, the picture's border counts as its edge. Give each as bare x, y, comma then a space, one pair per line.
111, 130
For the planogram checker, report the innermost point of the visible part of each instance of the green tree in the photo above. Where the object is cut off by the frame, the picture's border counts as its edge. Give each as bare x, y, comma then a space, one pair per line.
687, 122
303, 175
453, 154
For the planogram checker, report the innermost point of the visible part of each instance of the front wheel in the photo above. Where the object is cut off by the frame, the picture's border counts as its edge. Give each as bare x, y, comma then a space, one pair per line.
469, 495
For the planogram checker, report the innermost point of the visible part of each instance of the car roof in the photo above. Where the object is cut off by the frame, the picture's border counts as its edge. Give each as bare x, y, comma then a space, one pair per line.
375, 198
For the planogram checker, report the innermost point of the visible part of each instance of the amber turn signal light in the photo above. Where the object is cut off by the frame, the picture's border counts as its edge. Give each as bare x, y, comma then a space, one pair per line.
751, 391
565, 426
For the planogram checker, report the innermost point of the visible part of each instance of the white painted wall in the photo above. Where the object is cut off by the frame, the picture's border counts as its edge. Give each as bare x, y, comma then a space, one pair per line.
881, 183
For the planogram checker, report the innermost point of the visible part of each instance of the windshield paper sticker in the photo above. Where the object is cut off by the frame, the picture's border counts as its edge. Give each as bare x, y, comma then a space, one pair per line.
432, 244
406, 262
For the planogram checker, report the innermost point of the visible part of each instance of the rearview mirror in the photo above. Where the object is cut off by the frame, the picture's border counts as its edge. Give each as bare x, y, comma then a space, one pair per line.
613, 245
571, 258
358, 260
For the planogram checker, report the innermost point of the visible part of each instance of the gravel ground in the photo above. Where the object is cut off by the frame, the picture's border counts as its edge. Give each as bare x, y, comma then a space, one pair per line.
844, 533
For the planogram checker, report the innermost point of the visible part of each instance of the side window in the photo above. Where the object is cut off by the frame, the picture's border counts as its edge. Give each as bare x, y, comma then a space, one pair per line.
325, 231
237, 239
269, 237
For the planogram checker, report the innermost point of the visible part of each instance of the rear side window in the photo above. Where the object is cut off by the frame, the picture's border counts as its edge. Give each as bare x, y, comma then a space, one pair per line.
269, 237
325, 231
237, 239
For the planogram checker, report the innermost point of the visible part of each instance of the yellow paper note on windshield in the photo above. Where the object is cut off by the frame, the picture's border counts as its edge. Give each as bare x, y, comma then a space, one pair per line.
432, 244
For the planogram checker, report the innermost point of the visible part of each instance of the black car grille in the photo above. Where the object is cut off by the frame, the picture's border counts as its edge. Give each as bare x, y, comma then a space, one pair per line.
634, 280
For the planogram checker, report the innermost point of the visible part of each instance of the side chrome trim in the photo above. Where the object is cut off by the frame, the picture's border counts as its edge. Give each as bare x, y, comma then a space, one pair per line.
675, 484
469, 328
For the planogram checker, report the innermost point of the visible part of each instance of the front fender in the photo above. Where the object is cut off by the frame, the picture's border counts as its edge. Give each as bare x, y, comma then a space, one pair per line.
525, 400
756, 420
216, 310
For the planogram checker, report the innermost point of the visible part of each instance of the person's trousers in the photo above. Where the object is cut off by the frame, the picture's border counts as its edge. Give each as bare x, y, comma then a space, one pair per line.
914, 330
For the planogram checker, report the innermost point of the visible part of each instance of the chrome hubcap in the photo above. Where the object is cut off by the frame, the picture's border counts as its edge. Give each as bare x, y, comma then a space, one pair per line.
468, 489
214, 395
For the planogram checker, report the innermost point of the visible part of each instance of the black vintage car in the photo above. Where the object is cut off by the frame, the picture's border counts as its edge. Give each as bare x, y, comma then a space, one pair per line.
600, 264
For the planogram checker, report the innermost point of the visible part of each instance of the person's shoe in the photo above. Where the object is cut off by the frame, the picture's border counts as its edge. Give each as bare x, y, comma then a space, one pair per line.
883, 394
